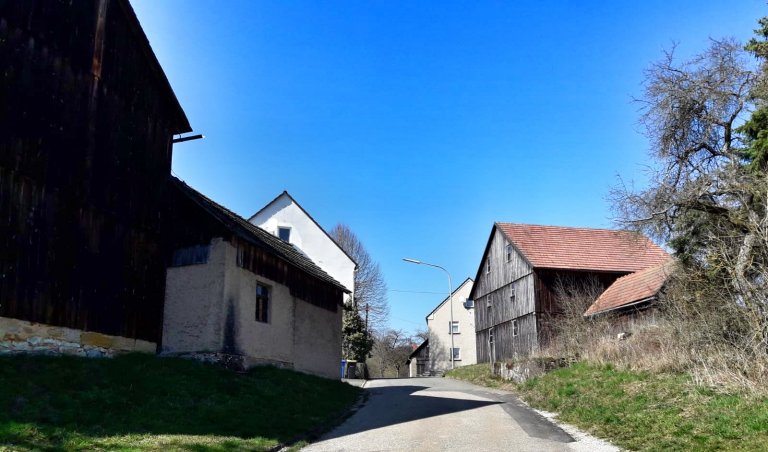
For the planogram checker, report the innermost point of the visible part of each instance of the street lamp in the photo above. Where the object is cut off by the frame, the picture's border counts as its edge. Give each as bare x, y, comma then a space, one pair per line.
450, 297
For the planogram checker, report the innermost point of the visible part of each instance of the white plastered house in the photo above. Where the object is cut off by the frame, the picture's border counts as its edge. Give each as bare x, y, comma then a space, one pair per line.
286, 219
462, 329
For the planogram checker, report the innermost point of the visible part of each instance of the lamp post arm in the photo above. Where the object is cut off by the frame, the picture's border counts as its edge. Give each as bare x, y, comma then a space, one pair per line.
450, 300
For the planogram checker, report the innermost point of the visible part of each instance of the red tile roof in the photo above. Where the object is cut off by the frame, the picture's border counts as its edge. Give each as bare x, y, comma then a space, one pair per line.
567, 248
632, 288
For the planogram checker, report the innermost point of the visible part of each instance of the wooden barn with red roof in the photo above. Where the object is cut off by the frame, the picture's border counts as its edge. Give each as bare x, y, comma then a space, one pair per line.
515, 285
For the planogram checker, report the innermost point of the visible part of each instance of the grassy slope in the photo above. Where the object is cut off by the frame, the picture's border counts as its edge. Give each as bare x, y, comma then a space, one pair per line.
643, 411
139, 402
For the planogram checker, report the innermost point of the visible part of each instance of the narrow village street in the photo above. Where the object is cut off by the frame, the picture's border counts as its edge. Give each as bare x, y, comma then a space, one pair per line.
435, 414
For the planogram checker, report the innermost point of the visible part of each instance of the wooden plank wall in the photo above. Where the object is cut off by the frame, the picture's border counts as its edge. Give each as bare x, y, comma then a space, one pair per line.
507, 346
502, 272
83, 171
498, 307
494, 289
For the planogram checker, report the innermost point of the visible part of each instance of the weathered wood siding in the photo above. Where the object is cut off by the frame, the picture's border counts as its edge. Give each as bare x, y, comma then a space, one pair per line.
502, 272
85, 128
494, 305
498, 306
505, 344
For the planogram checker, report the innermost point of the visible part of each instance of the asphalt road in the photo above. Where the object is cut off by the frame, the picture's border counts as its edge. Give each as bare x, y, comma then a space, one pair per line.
436, 414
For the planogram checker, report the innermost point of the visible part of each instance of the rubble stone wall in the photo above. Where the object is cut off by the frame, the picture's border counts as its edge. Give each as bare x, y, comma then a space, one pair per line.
19, 336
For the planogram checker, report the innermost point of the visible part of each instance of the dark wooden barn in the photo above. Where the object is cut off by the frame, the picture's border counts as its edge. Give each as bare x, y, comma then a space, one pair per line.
516, 288
87, 118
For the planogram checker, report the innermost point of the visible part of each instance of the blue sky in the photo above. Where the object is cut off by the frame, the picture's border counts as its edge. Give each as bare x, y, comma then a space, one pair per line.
419, 124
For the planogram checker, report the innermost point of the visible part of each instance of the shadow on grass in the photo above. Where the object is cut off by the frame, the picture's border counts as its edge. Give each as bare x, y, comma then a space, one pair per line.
143, 402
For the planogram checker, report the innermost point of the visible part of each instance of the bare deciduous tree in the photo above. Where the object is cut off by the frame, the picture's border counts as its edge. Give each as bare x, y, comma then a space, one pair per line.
370, 288
390, 352
703, 197
690, 113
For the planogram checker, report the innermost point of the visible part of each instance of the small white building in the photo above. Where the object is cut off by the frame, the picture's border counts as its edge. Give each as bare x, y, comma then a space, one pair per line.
283, 217
237, 295
462, 329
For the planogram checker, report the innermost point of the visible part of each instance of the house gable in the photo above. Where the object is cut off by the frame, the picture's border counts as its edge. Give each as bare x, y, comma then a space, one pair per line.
307, 236
503, 271
439, 327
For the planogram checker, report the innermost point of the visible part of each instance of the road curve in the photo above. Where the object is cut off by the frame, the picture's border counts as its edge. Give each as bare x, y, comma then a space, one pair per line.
436, 414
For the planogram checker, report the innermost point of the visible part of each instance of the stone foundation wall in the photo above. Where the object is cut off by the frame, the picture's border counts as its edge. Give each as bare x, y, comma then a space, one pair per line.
19, 336
522, 370
229, 360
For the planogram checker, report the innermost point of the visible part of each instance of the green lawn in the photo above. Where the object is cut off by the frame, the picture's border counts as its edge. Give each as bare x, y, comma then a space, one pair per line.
140, 402
644, 411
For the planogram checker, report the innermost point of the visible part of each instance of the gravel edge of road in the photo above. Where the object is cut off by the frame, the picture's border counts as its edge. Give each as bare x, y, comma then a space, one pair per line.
584, 441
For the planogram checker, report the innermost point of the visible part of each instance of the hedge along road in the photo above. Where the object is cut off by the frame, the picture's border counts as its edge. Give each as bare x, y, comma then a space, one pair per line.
434, 414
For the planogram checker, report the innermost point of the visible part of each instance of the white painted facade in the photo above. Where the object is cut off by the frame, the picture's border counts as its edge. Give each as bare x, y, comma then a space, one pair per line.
308, 237
439, 327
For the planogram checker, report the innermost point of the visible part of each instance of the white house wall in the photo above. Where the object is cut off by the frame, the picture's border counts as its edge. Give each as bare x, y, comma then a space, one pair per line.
439, 338
307, 237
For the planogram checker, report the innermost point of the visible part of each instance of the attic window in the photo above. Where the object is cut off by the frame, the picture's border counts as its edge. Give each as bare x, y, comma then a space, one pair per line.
284, 233
509, 252
488, 264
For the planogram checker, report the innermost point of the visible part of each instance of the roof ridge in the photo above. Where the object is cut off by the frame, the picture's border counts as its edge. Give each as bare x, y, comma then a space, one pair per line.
568, 227
579, 248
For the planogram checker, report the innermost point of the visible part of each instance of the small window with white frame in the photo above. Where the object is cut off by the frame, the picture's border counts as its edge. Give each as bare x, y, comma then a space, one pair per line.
456, 353
284, 233
488, 264
453, 327
263, 293
515, 328
512, 293
509, 252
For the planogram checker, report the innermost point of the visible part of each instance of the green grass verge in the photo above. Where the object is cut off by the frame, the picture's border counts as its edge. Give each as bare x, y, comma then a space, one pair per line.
140, 402
644, 411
